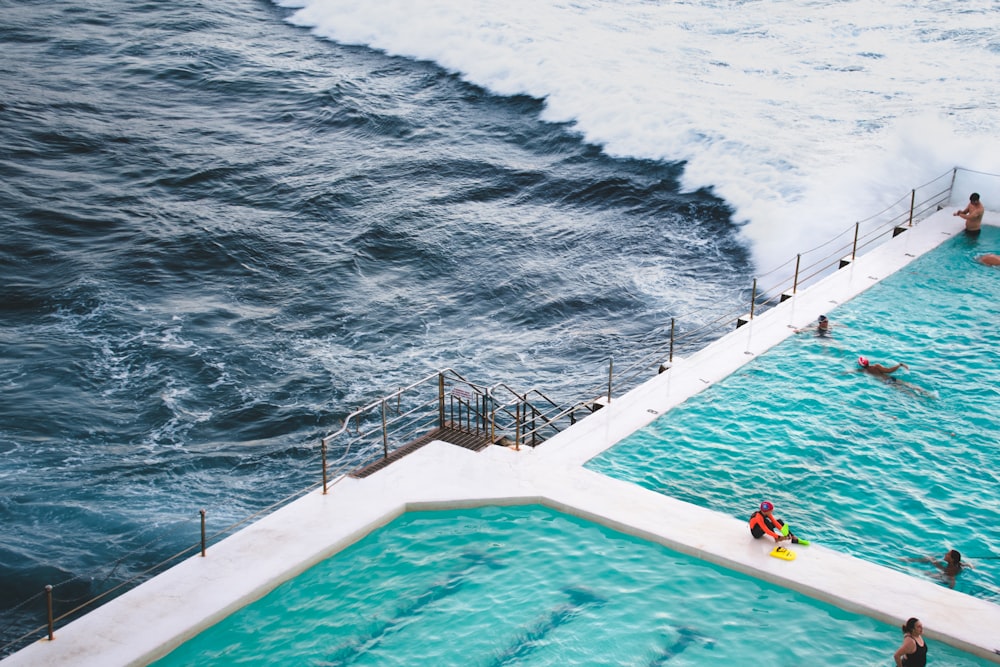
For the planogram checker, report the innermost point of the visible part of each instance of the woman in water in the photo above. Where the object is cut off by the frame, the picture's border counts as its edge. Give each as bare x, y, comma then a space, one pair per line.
913, 652
949, 568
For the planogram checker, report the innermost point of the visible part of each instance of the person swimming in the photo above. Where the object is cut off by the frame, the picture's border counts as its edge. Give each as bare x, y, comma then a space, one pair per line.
948, 568
884, 373
878, 369
822, 327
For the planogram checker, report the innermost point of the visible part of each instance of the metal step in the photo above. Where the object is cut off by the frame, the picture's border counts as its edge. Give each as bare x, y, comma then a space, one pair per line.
473, 441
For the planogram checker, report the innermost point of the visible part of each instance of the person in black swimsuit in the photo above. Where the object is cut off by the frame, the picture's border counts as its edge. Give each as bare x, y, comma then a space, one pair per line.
822, 328
913, 652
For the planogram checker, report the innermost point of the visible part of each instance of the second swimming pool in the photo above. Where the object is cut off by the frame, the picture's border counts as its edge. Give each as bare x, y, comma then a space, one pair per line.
531, 586
885, 472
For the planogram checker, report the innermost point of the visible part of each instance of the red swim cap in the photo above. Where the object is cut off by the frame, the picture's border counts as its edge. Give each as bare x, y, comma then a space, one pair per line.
766, 507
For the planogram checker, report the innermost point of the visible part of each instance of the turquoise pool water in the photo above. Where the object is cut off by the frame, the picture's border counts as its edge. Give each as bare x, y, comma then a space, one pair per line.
884, 472
531, 586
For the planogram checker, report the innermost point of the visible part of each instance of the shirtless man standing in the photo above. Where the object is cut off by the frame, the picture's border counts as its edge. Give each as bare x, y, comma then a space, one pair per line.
972, 214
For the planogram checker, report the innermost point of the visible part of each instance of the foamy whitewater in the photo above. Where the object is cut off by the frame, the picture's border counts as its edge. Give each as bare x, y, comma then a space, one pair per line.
804, 116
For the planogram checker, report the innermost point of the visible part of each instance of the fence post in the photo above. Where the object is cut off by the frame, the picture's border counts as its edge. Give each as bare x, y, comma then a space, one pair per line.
48, 604
913, 200
385, 435
441, 400
795, 284
611, 369
753, 297
672, 321
322, 451
517, 425
202, 512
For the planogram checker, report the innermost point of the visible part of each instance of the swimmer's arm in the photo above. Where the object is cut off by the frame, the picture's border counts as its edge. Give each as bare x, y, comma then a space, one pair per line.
927, 559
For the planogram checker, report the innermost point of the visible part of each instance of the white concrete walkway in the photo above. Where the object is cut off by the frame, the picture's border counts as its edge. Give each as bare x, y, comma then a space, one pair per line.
149, 621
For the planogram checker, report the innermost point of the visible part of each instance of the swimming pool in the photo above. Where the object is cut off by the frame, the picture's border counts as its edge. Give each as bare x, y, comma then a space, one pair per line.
531, 586
881, 471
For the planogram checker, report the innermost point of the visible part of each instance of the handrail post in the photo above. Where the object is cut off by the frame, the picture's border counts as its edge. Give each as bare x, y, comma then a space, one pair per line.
753, 297
441, 400
534, 426
854, 249
517, 426
385, 433
795, 283
672, 322
913, 200
48, 604
611, 368
202, 512
322, 452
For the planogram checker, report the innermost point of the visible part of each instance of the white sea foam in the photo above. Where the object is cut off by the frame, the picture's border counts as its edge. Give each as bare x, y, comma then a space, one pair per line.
804, 116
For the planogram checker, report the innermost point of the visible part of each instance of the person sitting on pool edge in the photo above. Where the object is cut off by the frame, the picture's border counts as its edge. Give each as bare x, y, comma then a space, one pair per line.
763, 522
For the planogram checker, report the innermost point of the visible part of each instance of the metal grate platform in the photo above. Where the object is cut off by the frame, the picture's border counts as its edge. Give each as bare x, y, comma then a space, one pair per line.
475, 442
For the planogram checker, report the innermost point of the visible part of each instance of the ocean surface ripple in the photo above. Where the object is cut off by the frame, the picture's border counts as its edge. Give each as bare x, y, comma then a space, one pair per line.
222, 234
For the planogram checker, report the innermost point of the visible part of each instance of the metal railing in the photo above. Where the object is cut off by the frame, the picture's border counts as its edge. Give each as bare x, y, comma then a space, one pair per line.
530, 417
443, 400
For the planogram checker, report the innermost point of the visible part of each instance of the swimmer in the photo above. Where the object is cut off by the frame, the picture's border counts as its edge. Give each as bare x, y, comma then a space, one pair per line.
763, 522
989, 259
822, 327
884, 373
973, 215
878, 369
950, 567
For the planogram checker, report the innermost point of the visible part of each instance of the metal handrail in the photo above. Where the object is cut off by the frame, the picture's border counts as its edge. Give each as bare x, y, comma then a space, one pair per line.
530, 417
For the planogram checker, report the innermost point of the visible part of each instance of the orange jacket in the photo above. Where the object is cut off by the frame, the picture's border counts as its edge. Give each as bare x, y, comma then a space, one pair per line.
765, 524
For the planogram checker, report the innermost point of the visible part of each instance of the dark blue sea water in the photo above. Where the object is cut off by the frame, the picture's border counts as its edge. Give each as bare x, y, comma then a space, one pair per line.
221, 234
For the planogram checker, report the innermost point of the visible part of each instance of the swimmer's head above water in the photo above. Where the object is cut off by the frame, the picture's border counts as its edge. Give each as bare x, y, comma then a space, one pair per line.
862, 362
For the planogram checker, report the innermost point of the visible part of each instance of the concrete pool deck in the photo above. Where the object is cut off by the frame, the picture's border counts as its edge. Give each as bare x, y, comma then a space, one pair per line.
149, 621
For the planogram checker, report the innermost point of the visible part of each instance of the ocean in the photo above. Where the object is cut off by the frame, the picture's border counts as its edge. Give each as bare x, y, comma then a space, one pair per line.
227, 225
